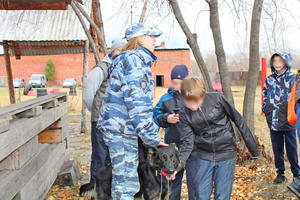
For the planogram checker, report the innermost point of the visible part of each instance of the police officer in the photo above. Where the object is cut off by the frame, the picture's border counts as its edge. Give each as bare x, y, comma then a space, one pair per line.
126, 112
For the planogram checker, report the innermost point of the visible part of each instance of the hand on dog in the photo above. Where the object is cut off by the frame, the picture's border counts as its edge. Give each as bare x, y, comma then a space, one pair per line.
162, 144
173, 118
173, 176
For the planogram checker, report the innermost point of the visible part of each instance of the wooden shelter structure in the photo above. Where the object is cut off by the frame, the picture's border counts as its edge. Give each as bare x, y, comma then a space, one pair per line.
56, 28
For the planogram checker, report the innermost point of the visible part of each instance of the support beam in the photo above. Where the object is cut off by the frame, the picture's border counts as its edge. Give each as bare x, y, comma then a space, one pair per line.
12, 97
24, 5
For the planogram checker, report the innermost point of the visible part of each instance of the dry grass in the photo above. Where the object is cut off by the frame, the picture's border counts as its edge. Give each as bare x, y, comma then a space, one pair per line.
75, 103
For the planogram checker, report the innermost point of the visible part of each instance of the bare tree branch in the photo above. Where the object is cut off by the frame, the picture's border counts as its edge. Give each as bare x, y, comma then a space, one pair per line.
144, 10
87, 32
219, 49
192, 41
93, 24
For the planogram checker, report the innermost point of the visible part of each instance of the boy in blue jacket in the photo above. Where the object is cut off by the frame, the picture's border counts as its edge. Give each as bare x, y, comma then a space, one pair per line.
276, 93
166, 116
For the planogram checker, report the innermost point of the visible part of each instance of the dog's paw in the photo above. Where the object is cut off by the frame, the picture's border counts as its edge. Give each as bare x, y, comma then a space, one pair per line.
88, 190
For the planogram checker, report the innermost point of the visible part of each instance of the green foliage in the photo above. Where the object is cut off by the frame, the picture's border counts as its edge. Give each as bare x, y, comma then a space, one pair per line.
50, 70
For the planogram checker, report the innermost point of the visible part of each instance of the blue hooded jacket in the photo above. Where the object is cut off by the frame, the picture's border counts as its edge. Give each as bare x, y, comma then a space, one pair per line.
276, 93
165, 106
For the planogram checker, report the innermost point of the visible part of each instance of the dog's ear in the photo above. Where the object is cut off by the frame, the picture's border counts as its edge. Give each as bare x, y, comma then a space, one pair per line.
152, 156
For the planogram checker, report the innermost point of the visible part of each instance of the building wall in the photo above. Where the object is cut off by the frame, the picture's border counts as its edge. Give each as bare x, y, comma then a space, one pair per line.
70, 65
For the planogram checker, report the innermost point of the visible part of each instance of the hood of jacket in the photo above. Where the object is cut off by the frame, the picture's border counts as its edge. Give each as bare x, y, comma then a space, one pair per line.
107, 59
172, 92
287, 57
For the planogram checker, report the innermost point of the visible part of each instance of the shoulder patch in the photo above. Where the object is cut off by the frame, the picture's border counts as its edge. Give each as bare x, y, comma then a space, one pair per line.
143, 84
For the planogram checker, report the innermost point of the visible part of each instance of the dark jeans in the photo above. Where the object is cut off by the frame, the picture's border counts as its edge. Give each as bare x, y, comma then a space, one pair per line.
100, 155
289, 138
203, 176
176, 186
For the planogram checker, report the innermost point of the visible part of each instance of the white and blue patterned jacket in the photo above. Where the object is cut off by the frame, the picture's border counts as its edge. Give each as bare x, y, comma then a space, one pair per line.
276, 93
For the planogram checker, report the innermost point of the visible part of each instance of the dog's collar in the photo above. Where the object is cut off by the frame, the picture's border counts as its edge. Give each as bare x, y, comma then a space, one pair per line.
164, 173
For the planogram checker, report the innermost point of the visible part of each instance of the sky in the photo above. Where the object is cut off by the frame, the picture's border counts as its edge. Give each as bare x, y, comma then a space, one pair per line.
235, 24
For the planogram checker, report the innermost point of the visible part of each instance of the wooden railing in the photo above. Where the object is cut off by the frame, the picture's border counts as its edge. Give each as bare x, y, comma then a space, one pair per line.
33, 146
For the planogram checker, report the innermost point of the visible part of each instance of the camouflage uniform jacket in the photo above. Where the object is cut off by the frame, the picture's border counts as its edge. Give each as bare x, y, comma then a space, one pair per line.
127, 105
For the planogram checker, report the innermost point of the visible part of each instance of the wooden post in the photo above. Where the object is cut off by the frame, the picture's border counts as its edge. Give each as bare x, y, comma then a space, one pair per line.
12, 97
84, 77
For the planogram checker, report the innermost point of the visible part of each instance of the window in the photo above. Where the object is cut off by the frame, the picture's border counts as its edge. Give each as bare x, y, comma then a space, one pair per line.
159, 80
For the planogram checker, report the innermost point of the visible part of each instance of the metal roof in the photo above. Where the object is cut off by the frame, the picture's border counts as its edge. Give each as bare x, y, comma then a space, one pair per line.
49, 27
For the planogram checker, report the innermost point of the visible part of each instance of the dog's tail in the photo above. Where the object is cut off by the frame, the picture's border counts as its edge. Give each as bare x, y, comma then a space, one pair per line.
88, 190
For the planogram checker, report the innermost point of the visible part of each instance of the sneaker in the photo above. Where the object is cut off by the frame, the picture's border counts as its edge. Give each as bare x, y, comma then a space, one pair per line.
279, 179
295, 186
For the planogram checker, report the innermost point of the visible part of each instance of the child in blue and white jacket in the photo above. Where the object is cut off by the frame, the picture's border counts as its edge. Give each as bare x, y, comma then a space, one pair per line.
165, 115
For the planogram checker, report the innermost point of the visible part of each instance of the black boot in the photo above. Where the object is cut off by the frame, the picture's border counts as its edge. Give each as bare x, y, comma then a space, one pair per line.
295, 186
279, 179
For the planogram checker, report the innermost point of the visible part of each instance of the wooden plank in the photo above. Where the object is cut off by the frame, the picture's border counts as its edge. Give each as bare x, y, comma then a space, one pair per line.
11, 161
50, 104
20, 157
11, 182
65, 127
25, 105
38, 186
8, 5
22, 130
4, 125
32, 112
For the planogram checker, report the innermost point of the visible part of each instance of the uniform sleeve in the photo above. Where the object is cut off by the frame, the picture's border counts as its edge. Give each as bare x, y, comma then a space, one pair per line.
93, 83
187, 138
159, 114
138, 100
238, 120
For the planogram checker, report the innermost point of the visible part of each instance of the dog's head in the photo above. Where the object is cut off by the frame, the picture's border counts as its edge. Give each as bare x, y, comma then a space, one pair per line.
164, 158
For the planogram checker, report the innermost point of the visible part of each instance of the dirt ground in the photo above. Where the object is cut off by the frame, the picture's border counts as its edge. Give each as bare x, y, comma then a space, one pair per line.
252, 181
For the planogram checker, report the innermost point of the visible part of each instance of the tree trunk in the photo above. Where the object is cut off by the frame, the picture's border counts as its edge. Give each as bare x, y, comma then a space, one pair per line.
144, 10
93, 24
254, 65
84, 77
96, 6
87, 32
219, 49
192, 41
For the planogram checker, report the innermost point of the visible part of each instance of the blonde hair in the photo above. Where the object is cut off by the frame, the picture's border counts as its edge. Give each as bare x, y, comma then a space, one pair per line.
133, 43
193, 88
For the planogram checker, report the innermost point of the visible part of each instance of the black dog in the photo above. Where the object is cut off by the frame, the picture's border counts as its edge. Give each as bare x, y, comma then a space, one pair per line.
152, 163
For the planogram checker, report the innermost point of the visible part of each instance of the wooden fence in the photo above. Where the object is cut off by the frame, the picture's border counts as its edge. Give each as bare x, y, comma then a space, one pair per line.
33, 146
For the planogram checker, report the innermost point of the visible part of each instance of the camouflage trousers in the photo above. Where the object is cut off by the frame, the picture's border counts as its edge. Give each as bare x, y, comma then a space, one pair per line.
123, 151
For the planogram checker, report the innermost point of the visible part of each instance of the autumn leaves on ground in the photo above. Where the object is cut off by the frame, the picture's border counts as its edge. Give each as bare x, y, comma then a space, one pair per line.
253, 179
